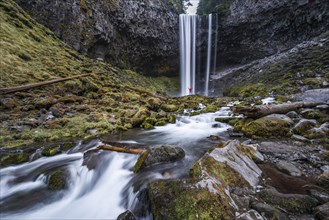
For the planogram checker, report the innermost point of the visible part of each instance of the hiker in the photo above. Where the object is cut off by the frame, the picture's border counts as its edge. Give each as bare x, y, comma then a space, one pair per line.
190, 90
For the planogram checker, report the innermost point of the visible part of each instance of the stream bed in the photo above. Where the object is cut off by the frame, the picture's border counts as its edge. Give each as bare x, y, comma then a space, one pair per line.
106, 186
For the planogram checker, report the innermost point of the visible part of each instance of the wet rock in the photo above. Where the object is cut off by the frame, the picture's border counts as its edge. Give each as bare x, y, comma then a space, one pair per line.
45, 102
294, 203
8, 103
322, 211
268, 211
250, 215
14, 159
269, 126
58, 180
288, 168
66, 146
50, 151
206, 195
160, 154
127, 215
321, 196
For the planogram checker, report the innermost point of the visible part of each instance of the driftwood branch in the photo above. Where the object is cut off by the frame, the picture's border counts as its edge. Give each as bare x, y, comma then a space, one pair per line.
35, 85
122, 149
258, 111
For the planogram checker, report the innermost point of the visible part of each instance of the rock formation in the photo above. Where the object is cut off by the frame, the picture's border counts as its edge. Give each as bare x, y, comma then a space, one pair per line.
140, 35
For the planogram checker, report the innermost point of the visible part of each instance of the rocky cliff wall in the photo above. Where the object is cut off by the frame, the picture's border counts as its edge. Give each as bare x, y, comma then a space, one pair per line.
141, 35
253, 29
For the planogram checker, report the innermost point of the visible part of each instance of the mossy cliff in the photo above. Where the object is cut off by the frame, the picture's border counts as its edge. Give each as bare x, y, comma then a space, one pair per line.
108, 99
140, 35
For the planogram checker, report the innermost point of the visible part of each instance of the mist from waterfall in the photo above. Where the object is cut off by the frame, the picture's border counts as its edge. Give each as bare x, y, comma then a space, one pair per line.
198, 52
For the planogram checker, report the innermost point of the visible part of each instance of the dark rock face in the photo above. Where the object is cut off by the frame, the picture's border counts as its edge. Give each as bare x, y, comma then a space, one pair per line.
257, 28
132, 34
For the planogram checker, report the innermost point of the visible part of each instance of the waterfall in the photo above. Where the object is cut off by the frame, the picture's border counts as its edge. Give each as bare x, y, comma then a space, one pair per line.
187, 32
206, 89
192, 44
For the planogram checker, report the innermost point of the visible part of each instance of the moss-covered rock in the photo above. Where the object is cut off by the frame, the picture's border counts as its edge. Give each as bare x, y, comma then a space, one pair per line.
50, 151
267, 127
171, 118
210, 108
171, 200
153, 104
58, 180
295, 203
169, 107
310, 129
323, 180
66, 146
14, 159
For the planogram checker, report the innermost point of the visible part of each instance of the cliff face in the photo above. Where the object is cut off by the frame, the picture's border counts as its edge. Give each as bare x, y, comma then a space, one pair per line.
142, 35
253, 29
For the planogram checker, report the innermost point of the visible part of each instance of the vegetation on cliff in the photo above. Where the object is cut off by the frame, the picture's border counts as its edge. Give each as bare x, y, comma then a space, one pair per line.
105, 101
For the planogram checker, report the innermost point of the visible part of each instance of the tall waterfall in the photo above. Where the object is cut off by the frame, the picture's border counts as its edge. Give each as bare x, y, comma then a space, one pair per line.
197, 58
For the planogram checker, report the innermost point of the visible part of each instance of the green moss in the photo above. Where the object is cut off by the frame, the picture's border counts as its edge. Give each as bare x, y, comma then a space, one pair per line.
173, 200
171, 119
210, 108
140, 161
66, 146
266, 128
160, 123
57, 180
14, 159
169, 108
49, 151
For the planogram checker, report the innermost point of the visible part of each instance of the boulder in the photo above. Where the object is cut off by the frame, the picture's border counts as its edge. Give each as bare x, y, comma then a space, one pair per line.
269, 126
206, 195
58, 180
288, 168
268, 211
14, 159
294, 203
309, 129
127, 215
159, 154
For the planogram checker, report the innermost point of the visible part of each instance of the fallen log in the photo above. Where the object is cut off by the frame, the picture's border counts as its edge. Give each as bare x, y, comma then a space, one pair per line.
122, 149
258, 111
35, 85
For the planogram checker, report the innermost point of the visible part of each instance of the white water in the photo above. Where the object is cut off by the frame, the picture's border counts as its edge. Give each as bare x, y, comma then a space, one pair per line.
206, 89
111, 188
89, 196
187, 33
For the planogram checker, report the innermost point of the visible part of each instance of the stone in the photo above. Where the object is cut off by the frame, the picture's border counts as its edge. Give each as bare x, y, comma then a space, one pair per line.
14, 159
268, 211
288, 168
50, 151
321, 196
159, 154
322, 211
269, 126
314, 95
250, 215
8, 103
292, 115
294, 203
127, 215
58, 180
323, 180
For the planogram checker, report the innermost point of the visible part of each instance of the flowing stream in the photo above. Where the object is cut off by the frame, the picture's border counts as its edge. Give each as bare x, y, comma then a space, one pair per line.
105, 186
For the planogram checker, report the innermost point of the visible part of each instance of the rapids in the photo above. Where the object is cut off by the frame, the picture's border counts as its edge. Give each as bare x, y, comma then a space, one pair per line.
111, 187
